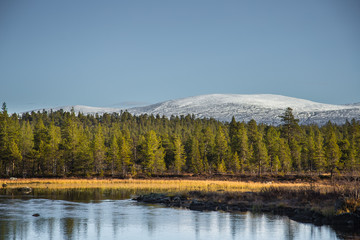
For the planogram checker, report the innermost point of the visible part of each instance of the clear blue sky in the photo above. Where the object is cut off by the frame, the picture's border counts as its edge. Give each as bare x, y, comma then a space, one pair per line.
125, 53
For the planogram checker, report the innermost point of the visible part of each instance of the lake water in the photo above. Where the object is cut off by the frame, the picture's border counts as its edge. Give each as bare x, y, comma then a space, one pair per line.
98, 214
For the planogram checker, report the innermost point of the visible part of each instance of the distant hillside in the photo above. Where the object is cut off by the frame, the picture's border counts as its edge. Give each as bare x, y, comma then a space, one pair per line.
264, 108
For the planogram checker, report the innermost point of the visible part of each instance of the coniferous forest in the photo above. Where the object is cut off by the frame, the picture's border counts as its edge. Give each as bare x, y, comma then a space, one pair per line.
64, 144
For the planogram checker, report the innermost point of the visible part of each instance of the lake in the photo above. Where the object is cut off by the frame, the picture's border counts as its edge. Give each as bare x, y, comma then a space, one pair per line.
110, 214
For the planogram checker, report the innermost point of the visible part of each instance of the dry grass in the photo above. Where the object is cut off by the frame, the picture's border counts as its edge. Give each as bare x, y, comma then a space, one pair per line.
156, 184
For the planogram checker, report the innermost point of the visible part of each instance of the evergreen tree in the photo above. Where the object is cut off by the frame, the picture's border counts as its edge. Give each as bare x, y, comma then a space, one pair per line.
99, 150
84, 160
284, 156
55, 139
70, 144
42, 149
221, 148
153, 153
15, 156
272, 140
125, 154
311, 150
194, 163
259, 151
332, 153
26, 145
239, 145
113, 155
290, 126
179, 155
5, 153
234, 164
208, 153
319, 155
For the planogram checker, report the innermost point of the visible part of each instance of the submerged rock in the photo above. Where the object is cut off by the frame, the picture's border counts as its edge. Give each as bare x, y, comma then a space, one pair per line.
342, 222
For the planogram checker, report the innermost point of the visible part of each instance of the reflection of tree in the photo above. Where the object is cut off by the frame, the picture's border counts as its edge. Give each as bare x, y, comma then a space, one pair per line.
291, 228
39, 224
254, 224
67, 224
150, 219
51, 227
119, 219
237, 222
196, 224
222, 220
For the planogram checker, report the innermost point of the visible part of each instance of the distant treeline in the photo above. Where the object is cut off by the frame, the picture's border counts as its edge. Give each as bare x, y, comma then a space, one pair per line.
62, 143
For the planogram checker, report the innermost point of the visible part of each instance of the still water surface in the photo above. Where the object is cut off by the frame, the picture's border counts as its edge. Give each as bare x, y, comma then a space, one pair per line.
107, 218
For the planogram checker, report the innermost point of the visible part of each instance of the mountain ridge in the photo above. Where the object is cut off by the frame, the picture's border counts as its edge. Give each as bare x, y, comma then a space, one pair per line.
263, 108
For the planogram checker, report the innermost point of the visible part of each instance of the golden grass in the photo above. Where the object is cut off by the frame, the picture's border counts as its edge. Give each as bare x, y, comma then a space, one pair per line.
141, 184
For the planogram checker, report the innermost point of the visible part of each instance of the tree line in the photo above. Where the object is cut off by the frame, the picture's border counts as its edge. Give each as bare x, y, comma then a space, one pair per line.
67, 144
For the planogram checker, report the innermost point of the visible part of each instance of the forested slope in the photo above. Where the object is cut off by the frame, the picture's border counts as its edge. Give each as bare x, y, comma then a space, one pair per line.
121, 145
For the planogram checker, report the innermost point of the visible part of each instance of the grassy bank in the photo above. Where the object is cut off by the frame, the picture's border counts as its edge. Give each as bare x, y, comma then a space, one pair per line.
326, 197
156, 184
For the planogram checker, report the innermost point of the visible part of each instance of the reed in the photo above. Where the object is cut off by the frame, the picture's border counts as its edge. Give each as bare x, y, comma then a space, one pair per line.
158, 184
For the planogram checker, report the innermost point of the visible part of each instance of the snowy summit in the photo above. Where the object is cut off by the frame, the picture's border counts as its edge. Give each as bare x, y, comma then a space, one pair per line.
264, 108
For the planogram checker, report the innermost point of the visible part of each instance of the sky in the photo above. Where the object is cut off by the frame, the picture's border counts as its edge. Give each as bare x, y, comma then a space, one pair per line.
131, 53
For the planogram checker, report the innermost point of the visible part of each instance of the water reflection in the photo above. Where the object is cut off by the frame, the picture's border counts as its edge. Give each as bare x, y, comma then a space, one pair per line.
100, 216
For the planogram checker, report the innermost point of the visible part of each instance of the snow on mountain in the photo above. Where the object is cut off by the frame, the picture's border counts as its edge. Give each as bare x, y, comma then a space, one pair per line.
264, 108
83, 109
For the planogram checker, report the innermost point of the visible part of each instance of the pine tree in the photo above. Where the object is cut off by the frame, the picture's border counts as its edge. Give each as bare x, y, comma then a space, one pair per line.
55, 139
221, 148
319, 155
284, 156
259, 151
113, 154
290, 126
332, 153
311, 150
26, 146
208, 153
84, 160
272, 140
70, 144
99, 150
42, 149
179, 155
15, 155
234, 164
125, 154
194, 163
153, 154
4, 141
239, 145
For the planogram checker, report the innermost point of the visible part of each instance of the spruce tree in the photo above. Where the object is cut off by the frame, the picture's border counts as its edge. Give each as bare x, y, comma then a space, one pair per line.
179, 155
113, 155
26, 145
99, 150
55, 139
153, 153
284, 156
332, 153
221, 148
125, 155
272, 140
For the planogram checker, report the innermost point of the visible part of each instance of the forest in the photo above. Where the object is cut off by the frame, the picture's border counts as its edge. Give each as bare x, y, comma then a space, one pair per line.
69, 144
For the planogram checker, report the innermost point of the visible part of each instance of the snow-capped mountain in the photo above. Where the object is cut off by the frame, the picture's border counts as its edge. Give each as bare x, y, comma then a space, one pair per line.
264, 108
87, 110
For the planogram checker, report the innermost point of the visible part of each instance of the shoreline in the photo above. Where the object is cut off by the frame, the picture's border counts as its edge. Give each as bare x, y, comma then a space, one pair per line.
343, 222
